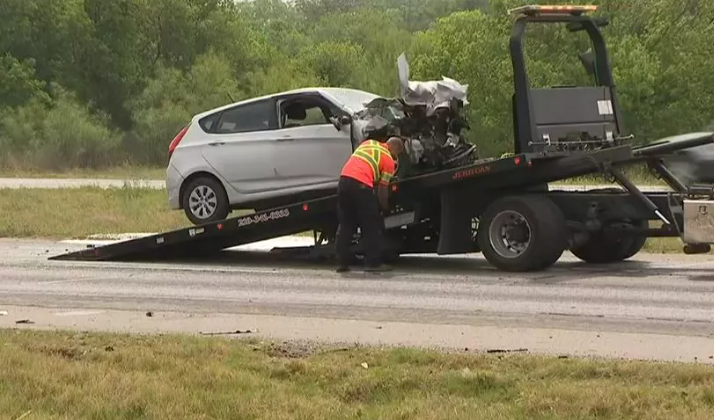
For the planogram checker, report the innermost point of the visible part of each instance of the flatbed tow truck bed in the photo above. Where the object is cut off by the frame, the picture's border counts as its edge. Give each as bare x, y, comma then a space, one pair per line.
298, 217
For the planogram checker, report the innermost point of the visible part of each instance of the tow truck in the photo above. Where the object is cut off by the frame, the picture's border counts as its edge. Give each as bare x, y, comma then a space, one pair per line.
503, 207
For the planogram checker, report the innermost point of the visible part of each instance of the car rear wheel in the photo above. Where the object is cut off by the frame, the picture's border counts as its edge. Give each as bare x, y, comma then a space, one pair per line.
205, 201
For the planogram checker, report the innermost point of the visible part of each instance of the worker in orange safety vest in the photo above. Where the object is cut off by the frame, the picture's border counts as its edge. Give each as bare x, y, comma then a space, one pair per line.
371, 165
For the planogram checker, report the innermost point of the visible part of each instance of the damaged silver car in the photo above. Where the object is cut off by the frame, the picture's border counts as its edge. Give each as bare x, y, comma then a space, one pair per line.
273, 150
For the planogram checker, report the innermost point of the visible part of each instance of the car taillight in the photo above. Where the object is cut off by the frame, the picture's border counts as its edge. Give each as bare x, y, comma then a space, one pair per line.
175, 142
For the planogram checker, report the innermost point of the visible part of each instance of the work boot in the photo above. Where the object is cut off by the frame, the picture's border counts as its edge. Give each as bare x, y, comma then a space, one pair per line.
378, 268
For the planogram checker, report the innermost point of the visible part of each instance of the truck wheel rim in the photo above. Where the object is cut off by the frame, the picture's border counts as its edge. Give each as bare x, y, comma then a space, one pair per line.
509, 234
203, 202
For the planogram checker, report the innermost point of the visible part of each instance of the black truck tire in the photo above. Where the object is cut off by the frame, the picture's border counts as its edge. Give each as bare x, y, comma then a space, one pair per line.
603, 249
538, 218
636, 244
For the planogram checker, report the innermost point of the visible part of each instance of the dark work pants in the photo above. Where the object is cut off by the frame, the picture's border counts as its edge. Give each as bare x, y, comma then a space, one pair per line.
357, 206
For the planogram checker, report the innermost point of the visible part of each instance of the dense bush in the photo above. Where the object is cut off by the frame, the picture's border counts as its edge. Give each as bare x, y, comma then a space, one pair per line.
133, 72
60, 135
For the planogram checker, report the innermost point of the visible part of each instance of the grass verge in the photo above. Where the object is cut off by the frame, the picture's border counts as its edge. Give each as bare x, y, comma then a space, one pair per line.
77, 213
120, 172
80, 212
62, 375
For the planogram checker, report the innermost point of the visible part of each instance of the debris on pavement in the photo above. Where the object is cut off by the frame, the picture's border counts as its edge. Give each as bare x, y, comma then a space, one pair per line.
229, 332
3, 313
149, 314
506, 351
24, 321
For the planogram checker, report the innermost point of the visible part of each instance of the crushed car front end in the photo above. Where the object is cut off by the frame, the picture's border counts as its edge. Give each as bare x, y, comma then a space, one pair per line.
428, 116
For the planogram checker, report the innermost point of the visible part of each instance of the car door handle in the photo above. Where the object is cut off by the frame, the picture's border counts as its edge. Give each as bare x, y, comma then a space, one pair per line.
217, 143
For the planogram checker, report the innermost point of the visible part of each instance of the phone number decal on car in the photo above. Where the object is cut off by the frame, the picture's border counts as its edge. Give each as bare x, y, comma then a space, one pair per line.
264, 217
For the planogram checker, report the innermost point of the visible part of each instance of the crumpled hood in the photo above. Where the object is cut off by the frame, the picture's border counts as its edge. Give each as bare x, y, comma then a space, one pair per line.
431, 94
415, 112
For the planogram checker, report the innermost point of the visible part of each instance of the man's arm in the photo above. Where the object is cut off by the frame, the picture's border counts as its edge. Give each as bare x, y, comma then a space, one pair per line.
387, 167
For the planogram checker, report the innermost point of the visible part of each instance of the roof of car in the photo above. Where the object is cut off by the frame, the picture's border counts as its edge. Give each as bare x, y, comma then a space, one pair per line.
328, 90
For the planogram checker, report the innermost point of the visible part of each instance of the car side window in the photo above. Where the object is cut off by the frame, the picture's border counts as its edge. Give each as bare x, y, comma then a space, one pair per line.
257, 116
207, 123
304, 112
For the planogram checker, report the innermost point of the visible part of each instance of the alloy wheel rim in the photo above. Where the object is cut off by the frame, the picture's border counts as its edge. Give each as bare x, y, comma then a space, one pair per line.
203, 202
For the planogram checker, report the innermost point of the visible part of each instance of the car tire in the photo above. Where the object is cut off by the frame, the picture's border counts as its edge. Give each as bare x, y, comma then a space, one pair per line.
536, 234
205, 201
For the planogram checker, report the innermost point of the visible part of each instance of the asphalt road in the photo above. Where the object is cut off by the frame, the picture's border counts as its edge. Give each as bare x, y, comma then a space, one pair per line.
656, 307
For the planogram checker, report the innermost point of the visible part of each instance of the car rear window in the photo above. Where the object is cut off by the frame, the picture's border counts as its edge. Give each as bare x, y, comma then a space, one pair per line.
256, 116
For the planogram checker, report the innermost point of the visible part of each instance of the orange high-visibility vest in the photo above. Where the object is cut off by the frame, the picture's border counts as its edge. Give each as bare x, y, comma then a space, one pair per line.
370, 163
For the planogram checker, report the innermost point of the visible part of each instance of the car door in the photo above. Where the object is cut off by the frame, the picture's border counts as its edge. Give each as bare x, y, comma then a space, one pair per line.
240, 147
311, 152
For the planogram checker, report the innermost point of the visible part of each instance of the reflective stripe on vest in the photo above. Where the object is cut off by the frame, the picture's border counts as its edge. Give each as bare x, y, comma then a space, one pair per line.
371, 151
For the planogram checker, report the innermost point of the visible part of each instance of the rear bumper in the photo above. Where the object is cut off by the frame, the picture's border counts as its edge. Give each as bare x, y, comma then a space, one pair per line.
173, 187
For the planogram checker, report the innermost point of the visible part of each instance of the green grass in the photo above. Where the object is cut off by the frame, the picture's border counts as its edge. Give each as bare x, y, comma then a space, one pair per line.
62, 375
120, 172
77, 213
638, 174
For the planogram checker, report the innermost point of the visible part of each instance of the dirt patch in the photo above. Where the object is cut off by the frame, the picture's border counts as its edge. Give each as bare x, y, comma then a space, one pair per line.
290, 350
68, 353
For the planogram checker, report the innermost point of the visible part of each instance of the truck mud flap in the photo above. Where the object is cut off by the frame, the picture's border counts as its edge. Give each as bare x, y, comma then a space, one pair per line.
455, 235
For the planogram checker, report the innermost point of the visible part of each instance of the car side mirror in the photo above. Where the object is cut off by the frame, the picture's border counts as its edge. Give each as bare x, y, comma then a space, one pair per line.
341, 122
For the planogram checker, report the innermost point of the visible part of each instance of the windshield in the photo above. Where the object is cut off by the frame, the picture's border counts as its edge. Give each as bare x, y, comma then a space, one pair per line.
351, 98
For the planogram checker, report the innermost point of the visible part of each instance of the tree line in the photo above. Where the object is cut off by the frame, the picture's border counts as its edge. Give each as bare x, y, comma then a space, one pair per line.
95, 83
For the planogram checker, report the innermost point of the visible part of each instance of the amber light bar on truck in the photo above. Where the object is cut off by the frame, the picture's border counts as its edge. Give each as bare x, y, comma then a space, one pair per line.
552, 10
